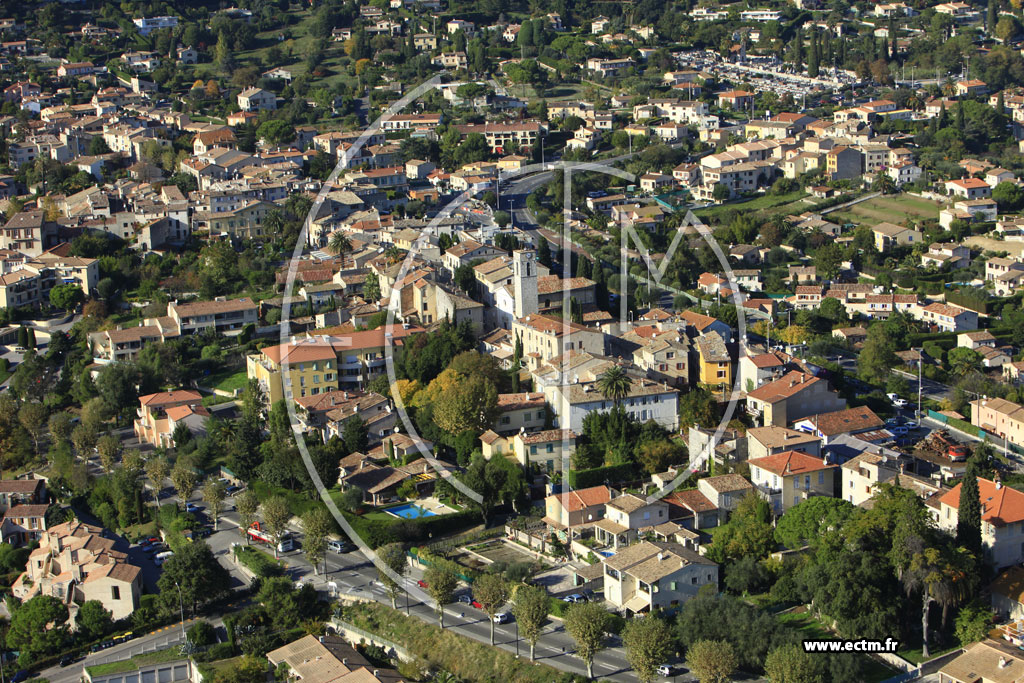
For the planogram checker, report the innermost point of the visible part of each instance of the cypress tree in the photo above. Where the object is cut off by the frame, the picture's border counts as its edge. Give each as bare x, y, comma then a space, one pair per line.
960, 121
968, 520
544, 253
814, 58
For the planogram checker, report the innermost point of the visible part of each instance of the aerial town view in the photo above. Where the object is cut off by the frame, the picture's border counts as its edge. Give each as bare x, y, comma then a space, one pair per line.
511, 341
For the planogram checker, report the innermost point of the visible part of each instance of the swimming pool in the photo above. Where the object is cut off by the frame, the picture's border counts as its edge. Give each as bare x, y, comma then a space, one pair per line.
409, 511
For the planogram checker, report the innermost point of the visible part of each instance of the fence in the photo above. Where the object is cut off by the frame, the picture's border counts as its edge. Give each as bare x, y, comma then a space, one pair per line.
977, 432
355, 635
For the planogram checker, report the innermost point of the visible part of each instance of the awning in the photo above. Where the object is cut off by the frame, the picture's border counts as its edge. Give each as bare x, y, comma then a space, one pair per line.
638, 603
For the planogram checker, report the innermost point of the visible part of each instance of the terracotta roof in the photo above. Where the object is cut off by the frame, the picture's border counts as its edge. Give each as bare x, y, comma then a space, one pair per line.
584, 498
724, 483
175, 396
1000, 505
692, 500
845, 421
786, 386
790, 462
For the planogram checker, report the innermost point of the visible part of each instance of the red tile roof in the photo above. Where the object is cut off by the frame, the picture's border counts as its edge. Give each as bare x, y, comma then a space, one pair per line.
1000, 505
790, 462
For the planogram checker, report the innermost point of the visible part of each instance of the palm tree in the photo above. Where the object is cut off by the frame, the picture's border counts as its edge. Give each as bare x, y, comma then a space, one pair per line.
614, 384
941, 579
339, 243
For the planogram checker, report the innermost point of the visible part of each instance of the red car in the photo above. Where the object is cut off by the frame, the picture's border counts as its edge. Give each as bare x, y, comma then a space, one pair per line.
477, 604
421, 583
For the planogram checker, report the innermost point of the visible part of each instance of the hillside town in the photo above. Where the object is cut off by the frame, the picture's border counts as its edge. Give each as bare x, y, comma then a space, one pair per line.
422, 340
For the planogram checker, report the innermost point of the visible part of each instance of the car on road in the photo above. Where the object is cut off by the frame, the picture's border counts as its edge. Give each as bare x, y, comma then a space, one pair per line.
466, 599
66, 660
899, 431
900, 402
163, 557
232, 490
502, 617
421, 583
192, 507
666, 670
575, 597
340, 546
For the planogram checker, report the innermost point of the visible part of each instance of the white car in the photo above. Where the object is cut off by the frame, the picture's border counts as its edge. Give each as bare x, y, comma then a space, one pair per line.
900, 402
501, 618
666, 670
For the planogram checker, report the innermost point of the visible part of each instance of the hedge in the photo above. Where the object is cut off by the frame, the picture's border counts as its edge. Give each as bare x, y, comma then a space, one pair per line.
258, 562
377, 532
581, 479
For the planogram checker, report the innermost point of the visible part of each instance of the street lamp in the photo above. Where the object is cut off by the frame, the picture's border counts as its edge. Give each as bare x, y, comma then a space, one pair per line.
181, 608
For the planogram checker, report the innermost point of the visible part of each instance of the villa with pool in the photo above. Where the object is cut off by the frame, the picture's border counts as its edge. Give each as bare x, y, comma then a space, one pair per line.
380, 479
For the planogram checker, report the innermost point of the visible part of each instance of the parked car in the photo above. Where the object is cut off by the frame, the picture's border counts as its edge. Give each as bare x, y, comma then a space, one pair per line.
666, 670
900, 402
502, 617
232, 490
899, 431
192, 507
66, 660
163, 557
474, 603
202, 532
466, 599
575, 597
421, 583
958, 452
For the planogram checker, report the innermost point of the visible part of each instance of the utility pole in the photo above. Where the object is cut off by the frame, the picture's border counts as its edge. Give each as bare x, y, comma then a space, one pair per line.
920, 366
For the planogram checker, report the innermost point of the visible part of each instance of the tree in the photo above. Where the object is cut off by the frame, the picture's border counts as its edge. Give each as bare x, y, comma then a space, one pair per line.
316, 524
38, 627
202, 633
878, 357
658, 456
33, 417
276, 132
1008, 196
973, 623
339, 243
829, 260
60, 425
195, 571
472, 404
157, 470
938, 579
393, 558
184, 478
355, 435
713, 661
441, 582
721, 192
968, 521
648, 642
491, 591
214, 492
247, 504
587, 623
805, 524
66, 297
93, 620
614, 384
962, 361
531, 607
790, 664
497, 481
83, 438
109, 449
276, 515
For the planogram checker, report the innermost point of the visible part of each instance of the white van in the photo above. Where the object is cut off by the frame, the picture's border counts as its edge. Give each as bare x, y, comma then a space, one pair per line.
163, 557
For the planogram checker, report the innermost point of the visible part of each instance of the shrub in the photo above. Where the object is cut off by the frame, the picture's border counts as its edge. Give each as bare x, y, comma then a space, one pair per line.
258, 562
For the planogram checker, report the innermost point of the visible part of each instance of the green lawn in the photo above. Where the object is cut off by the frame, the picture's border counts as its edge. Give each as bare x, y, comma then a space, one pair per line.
892, 209
791, 200
169, 655
226, 380
808, 626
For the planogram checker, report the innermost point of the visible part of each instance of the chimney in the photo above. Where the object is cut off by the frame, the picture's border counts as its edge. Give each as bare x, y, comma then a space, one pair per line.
1003, 663
661, 557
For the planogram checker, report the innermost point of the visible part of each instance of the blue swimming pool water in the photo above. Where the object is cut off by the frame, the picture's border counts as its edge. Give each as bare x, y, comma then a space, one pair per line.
409, 511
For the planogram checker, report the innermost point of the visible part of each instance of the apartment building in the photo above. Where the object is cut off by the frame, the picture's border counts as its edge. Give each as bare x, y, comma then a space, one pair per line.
545, 338
998, 416
503, 135
30, 285
948, 318
625, 515
221, 315
157, 415
76, 562
124, 344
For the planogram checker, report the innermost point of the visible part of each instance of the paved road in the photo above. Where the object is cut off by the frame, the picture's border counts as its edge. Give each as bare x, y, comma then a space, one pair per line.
353, 573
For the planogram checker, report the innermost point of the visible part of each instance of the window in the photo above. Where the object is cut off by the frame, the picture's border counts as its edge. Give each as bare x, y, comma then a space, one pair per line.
115, 592
505, 419
821, 477
807, 481
693, 580
551, 448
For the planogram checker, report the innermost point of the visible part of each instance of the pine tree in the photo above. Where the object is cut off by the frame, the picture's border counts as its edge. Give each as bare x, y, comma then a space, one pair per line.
814, 58
968, 521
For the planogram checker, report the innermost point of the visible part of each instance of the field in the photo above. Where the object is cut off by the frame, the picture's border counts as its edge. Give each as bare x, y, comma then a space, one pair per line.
892, 209
786, 204
229, 380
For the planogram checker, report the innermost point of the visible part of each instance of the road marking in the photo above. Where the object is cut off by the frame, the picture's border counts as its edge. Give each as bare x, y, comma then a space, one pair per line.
610, 667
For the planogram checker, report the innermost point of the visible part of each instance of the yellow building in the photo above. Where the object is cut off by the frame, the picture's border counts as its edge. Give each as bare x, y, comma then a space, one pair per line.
714, 362
312, 369
324, 362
